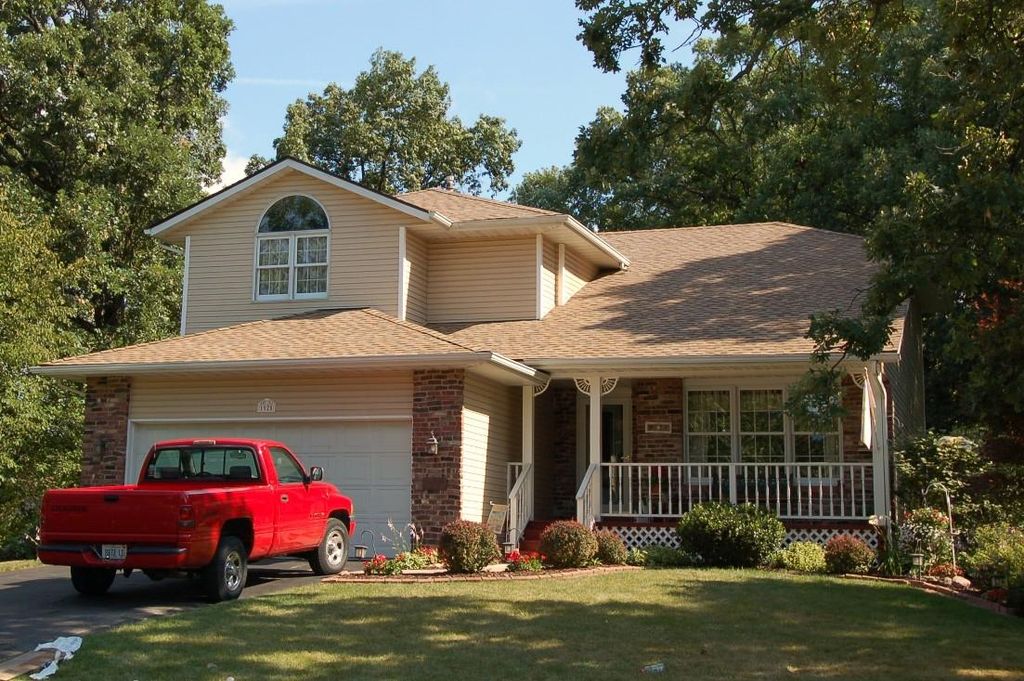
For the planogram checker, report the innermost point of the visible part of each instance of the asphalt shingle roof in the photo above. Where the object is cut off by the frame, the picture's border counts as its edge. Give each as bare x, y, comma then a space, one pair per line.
464, 207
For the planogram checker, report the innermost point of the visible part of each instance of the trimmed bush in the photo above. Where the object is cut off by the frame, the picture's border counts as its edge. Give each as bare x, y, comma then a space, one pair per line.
998, 555
568, 544
467, 547
611, 550
803, 556
846, 554
730, 536
658, 556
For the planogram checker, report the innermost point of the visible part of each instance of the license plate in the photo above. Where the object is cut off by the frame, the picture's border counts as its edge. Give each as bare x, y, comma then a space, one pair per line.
114, 552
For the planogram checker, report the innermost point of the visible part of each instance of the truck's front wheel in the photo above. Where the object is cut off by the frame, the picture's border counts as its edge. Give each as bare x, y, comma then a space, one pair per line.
332, 554
224, 578
92, 581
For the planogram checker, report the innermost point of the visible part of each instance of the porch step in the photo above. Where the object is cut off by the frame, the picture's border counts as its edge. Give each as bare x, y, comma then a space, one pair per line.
532, 545
531, 537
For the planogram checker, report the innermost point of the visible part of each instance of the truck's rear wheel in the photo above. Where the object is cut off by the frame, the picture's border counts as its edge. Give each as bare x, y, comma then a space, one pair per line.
92, 581
332, 554
224, 578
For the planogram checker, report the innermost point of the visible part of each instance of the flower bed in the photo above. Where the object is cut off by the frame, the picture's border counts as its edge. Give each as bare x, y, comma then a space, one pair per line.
490, 576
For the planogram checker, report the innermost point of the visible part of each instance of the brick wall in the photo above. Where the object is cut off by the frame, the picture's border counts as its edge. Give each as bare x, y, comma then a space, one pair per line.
659, 400
563, 405
106, 431
437, 401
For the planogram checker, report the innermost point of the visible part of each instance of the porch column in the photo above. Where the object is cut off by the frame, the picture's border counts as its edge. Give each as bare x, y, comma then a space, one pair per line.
527, 457
880, 441
595, 419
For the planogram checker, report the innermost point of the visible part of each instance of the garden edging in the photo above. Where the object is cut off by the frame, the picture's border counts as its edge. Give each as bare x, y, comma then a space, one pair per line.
940, 589
478, 577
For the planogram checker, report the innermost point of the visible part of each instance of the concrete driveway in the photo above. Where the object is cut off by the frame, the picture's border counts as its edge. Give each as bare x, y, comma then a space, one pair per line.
39, 604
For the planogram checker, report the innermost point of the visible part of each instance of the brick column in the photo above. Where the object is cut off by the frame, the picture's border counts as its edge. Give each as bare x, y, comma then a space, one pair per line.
106, 430
437, 400
563, 450
658, 400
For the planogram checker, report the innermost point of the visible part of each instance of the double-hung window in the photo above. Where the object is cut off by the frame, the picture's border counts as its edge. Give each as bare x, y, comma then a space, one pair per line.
292, 251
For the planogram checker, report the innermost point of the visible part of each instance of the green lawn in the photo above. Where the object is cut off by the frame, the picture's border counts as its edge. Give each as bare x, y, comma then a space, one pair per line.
11, 565
703, 624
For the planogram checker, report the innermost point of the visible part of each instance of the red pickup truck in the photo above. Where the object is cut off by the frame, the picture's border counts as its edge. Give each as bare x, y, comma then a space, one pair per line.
201, 508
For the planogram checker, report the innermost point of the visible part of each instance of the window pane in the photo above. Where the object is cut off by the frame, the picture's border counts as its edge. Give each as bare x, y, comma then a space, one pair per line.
762, 426
709, 426
293, 214
311, 250
273, 252
311, 279
273, 282
287, 470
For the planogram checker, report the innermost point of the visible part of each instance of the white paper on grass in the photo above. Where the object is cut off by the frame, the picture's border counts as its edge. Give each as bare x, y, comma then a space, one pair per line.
65, 648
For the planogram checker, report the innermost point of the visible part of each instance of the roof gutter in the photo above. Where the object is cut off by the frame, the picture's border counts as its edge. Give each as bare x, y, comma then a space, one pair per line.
467, 359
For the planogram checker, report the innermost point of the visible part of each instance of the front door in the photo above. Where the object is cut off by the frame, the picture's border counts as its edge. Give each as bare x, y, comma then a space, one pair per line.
296, 523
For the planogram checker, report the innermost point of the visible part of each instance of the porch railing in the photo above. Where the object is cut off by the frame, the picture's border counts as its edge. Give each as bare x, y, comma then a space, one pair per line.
520, 503
791, 490
588, 496
512, 471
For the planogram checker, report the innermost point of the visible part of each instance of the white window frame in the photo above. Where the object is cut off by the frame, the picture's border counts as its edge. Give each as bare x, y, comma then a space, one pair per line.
292, 266
734, 389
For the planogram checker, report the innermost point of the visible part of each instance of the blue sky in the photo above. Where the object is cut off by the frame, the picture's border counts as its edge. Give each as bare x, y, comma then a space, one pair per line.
519, 60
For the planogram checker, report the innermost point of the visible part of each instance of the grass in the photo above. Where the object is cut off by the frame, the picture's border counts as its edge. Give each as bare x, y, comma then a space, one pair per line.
12, 565
703, 624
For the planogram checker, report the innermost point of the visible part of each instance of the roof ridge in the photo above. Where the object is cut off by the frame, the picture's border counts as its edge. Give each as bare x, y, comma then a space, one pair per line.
483, 199
437, 335
779, 223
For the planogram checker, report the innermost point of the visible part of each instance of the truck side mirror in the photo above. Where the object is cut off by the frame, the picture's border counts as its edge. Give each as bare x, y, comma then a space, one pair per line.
316, 474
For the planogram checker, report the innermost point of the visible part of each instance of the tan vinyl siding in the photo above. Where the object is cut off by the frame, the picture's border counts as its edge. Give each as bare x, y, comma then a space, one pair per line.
363, 255
488, 280
549, 277
906, 382
416, 300
295, 394
577, 273
491, 437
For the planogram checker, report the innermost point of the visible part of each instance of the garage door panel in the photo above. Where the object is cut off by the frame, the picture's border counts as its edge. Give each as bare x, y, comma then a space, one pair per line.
369, 461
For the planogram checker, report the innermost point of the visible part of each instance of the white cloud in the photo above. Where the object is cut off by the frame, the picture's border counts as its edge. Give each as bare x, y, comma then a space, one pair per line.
234, 170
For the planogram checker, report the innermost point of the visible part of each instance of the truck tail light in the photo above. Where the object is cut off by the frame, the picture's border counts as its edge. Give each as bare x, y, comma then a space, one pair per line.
186, 517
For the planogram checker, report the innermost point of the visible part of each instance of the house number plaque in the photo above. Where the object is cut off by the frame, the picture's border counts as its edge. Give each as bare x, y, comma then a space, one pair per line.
266, 406
658, 427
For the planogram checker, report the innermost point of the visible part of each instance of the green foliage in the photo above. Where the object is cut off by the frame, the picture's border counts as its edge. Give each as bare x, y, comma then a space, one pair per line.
926, 531
467, 547
568, 544
393, 132
524, 562
109, 116
637, 557
957, 463
803, 556
724, 535
655, 556
611, 550
998, 554
845, 554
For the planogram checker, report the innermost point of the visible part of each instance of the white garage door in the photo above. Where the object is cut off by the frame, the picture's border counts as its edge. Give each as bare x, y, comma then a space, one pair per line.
368, 460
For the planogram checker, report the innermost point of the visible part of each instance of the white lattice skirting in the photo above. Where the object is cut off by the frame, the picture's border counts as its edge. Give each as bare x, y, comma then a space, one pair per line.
638, 536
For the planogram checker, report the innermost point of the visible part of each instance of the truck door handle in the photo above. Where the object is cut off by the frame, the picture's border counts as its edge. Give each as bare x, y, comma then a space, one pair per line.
284, 498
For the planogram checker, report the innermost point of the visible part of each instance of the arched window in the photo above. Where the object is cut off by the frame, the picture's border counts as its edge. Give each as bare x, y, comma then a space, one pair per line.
292, 250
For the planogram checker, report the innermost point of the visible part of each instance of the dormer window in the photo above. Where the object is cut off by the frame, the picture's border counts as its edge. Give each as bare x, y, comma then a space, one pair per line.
292, 250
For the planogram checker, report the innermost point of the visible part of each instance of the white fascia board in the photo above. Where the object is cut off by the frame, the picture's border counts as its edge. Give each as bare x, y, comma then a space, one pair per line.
291, 164
443, 360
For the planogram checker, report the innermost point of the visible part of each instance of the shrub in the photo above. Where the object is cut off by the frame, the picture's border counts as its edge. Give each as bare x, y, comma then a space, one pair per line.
846, 554
998, 554
530, 561
954, 461
467, 547
803, 556
636, 556
568, 544
611, 550
926, 531
730, 536
944, 570
658, 556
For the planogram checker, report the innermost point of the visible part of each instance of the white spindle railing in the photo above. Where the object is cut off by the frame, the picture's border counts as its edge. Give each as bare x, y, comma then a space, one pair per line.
512, 472
827, 491
588, 496
520, 503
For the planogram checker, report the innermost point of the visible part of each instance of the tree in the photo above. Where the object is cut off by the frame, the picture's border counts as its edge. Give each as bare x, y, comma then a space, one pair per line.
392, 131
110, 110
109, 121
896, 120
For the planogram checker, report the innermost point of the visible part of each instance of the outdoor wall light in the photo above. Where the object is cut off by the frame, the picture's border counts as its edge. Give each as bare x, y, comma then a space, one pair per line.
432, 444
917, 560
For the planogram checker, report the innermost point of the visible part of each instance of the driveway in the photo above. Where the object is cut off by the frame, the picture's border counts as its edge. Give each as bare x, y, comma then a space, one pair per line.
39, 604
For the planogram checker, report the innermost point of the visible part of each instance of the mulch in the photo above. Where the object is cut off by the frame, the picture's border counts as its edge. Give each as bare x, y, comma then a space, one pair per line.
351, 578
969, 597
